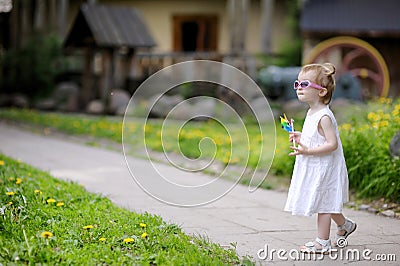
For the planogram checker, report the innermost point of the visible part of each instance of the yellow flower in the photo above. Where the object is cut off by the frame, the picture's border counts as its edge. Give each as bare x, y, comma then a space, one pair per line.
373, 116
144, 235
143, 225
37, 191
51, 201
19, 181
383, 124
102, 239
2, 162
346, 127
11, 179
10, 203
87, 227
60, 204
10, 193
128, 240
396, 112
46, 234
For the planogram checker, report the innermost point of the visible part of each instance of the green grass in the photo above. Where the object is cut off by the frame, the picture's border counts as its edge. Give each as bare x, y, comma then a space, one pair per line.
44, 220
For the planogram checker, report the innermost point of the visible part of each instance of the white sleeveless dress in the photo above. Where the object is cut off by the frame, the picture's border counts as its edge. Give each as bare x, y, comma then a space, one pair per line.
319, 183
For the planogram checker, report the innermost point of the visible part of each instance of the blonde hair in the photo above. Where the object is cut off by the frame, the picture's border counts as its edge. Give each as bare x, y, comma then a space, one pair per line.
324, 76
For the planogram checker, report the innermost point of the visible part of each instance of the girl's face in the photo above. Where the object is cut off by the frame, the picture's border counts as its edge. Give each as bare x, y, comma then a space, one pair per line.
309, 95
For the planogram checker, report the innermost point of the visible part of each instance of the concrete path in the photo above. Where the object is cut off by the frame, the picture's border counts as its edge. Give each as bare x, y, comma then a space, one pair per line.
253, 221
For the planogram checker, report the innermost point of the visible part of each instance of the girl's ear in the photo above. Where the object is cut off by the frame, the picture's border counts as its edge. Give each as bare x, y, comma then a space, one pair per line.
323, 92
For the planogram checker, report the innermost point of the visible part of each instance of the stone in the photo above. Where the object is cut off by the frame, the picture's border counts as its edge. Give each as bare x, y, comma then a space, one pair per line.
364, 207
20, 101
46, 104
119, 100
95, 107
372, 210
66, 96
388, 213
395, 145
162, 105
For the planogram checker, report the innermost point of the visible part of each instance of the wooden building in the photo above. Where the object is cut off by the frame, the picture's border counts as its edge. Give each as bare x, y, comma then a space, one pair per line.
109, 37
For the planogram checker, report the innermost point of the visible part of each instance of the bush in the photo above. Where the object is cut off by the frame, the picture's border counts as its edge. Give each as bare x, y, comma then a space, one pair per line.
372, 171
32, 69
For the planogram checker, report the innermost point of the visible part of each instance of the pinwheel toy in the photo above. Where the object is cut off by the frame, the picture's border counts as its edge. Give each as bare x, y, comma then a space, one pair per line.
288, 126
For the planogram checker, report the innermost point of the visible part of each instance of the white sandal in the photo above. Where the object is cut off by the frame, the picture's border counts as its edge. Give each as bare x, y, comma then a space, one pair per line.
311, 247
348, 227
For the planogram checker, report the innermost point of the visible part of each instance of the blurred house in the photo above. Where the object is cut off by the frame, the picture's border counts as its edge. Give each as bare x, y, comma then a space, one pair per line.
232, 31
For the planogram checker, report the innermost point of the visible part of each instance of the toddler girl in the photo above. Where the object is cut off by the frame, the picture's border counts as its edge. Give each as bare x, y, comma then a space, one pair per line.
319, 183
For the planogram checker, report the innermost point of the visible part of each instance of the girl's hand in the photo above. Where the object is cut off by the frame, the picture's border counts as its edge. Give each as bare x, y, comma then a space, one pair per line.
295, 135
300, 149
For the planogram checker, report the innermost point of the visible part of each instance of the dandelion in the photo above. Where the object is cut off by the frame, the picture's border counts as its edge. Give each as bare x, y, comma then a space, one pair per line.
51, 200
373, 116
37, 191
2, 162
144, 235
60, 204
102, 239
142, 225
383, 124
19, 181
345, 127
128, 240
11, 179
10, 193
46, 234
87, 227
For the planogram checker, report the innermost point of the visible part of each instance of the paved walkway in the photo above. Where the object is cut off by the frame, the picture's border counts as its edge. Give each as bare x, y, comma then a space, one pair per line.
251, 220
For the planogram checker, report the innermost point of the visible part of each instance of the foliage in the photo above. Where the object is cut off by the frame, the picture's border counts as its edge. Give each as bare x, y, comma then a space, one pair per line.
32, 69
372, 170
45, 221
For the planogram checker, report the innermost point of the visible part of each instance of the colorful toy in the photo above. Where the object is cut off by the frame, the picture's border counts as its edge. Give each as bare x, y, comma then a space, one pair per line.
288, 126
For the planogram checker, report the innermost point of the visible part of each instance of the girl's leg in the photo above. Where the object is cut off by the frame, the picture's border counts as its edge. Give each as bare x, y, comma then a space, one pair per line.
345, 227
324, 225
339, 219
322, 244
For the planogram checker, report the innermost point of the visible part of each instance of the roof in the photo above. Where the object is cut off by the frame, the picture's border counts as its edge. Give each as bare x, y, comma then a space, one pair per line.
108, 26
365, 16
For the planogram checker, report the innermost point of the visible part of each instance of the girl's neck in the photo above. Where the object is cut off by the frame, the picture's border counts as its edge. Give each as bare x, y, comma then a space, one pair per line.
317, 106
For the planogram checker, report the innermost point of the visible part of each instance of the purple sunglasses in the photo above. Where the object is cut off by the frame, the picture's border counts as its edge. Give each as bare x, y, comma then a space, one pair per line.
305, 84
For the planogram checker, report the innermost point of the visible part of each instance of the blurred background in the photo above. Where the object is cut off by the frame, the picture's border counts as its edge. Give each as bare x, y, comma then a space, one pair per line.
91, 56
